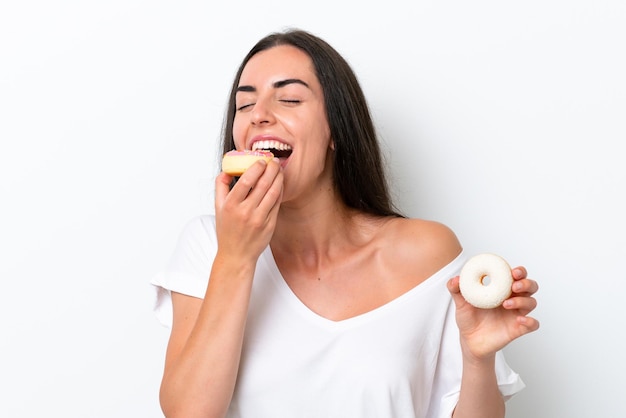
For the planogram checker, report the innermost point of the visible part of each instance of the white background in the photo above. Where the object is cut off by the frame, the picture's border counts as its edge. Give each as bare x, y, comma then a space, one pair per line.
504, 120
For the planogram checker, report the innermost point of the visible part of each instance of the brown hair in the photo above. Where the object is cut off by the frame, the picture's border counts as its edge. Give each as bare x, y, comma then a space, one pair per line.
358, 171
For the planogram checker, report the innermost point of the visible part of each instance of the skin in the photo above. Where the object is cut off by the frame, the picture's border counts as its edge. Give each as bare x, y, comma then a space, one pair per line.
339, 262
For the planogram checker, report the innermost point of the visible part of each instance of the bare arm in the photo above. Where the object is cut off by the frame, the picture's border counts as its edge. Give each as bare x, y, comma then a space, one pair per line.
480, 395
484, 332
205, 345
204, 349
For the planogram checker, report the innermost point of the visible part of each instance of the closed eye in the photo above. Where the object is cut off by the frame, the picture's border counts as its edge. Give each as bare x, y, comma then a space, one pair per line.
293, 101
286, 101
244, 107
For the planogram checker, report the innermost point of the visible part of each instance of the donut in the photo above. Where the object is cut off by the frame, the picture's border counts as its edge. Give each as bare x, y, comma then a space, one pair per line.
472, 281
235, 163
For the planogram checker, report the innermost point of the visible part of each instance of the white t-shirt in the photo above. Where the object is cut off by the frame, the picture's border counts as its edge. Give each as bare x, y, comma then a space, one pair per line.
402, 359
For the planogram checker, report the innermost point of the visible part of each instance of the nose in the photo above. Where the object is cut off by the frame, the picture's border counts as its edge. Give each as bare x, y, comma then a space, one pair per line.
262, 112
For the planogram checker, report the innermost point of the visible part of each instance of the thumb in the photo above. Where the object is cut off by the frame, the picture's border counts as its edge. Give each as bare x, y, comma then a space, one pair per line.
455, 290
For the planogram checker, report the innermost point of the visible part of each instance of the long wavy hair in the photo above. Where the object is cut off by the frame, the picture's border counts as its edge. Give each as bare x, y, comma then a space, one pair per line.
358, 172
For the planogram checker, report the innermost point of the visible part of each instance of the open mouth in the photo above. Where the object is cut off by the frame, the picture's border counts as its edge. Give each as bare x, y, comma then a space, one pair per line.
279, 149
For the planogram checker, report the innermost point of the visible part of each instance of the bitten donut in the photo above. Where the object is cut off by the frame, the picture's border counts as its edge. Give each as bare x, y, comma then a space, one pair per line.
472, 277
235, 163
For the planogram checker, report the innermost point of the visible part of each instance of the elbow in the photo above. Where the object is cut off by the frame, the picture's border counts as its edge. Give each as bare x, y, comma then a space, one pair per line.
179, 403
172, 405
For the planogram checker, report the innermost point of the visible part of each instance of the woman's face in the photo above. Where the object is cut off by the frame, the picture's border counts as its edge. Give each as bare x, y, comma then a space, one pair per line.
280, 107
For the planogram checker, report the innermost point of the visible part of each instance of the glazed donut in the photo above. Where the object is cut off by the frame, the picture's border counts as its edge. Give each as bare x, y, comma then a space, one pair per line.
235, 163
472, 277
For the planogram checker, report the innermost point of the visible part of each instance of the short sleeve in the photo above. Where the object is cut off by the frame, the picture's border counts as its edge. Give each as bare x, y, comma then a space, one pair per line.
447, 381
188, 268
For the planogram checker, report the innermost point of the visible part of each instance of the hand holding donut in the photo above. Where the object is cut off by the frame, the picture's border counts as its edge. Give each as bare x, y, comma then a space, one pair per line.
485, 330
246, 215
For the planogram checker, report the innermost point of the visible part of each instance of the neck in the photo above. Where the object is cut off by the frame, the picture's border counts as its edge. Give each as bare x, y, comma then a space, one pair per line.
311, 229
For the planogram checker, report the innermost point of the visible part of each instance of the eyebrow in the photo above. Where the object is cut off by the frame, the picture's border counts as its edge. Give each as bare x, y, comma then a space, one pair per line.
276, 85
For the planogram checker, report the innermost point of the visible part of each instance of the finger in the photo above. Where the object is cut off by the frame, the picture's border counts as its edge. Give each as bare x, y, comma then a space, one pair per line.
527, 324
519, 273
525, 286
270, 200
273, 212
455, 292
266, 184
248, 181
453, 285
524, 304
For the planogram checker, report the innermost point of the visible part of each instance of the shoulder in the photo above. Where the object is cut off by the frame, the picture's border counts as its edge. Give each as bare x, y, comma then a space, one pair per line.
198, 228
427, 235
422, 246
197, 242
204, 223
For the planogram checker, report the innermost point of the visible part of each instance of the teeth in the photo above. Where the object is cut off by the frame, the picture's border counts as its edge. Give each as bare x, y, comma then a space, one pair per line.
272, 144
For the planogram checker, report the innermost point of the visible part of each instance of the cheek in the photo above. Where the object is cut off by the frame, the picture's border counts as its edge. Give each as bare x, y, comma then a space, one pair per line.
321, 133
313, 127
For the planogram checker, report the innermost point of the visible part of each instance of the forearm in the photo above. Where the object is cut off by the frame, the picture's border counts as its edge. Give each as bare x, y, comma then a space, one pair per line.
199, 380
480, 396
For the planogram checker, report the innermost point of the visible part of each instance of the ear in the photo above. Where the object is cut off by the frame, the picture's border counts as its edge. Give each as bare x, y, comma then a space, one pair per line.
332, 144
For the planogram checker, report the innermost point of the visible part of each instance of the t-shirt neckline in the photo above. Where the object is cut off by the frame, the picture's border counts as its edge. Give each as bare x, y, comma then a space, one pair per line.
438, 278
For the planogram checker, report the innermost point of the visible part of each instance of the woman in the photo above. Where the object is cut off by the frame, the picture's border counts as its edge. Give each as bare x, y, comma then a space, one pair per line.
307, 294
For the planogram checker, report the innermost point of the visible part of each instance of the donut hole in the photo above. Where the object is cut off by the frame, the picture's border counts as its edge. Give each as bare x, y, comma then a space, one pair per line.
485, 280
